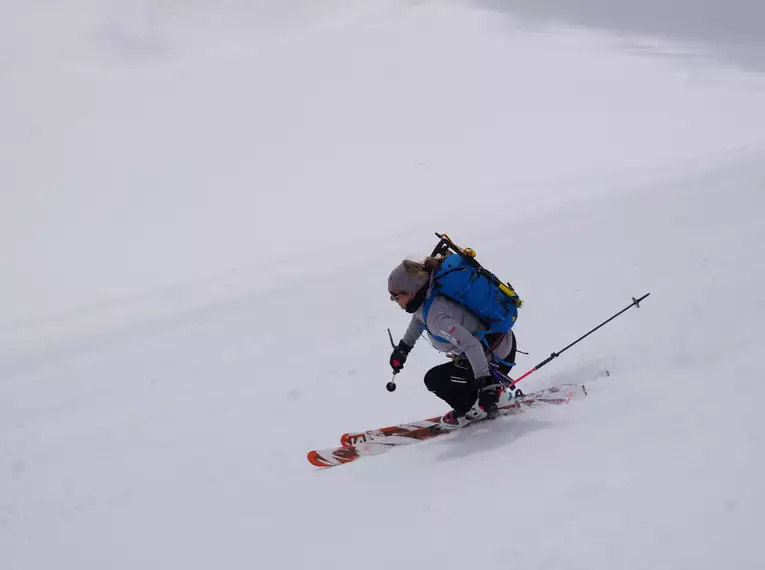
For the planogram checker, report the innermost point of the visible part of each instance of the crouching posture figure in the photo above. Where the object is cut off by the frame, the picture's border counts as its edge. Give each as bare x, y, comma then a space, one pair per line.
465, 382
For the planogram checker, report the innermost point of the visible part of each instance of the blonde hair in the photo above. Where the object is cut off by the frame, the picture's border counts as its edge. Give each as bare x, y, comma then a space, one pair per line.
423, 269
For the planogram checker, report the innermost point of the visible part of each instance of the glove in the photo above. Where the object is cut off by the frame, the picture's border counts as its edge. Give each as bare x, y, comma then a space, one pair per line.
398, 356
488, 391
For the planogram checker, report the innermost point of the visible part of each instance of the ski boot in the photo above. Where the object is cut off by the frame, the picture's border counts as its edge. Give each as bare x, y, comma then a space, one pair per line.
492, 412
477, 412
451, 421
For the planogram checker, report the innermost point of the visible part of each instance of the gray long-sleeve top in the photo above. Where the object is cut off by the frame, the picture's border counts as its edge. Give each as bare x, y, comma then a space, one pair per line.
450, 321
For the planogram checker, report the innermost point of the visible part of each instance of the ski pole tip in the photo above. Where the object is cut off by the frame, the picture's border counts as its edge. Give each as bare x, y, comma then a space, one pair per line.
636, 302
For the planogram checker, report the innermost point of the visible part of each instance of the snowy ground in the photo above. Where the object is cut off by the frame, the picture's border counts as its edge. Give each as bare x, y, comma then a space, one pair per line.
200, 205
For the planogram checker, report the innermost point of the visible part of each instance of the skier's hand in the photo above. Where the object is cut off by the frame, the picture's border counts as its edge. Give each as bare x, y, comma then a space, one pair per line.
488, 391
398, 356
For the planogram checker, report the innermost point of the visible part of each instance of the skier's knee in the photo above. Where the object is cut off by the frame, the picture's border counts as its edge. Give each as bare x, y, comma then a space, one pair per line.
432, 380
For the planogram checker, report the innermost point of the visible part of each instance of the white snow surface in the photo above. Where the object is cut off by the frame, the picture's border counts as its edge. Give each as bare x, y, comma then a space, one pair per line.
199, 206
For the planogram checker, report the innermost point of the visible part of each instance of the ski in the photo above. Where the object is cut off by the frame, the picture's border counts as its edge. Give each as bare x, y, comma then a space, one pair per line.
375, 442
550, 395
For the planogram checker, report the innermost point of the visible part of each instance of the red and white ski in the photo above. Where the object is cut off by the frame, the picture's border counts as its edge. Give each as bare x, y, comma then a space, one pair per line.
553, 395
375, 442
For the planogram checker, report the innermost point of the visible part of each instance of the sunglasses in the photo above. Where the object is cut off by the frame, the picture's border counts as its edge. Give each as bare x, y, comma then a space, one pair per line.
394, 298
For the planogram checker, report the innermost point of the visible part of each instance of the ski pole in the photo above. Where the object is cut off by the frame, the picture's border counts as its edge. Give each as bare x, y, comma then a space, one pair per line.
391, 386
554, 355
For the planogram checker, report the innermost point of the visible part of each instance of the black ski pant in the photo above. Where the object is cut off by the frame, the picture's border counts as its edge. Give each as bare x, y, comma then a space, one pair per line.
455, 383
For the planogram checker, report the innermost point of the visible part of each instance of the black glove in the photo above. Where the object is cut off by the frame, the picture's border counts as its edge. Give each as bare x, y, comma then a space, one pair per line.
398, 356
488, 391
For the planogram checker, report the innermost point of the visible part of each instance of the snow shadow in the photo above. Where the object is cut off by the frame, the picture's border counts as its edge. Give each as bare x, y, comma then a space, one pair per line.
482, 438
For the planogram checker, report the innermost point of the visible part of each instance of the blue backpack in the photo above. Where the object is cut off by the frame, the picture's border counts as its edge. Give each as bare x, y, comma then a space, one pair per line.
463, 280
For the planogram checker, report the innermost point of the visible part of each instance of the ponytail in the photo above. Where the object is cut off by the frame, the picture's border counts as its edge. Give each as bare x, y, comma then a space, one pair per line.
431, 264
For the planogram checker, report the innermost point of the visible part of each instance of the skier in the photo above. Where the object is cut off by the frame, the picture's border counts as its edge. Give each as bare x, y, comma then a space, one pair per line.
465, 383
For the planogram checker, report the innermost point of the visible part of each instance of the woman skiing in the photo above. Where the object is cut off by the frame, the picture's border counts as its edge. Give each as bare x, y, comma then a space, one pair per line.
465, 383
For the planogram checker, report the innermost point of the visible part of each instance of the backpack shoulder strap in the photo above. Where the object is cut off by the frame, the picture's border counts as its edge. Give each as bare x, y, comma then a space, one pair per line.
425, 310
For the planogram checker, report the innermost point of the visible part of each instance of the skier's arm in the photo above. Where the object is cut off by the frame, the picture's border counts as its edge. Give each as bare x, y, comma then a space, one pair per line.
445, 326
413, 331
399, 355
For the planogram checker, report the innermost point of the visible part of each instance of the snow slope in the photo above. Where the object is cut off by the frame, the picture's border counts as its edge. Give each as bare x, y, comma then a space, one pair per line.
197, 238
